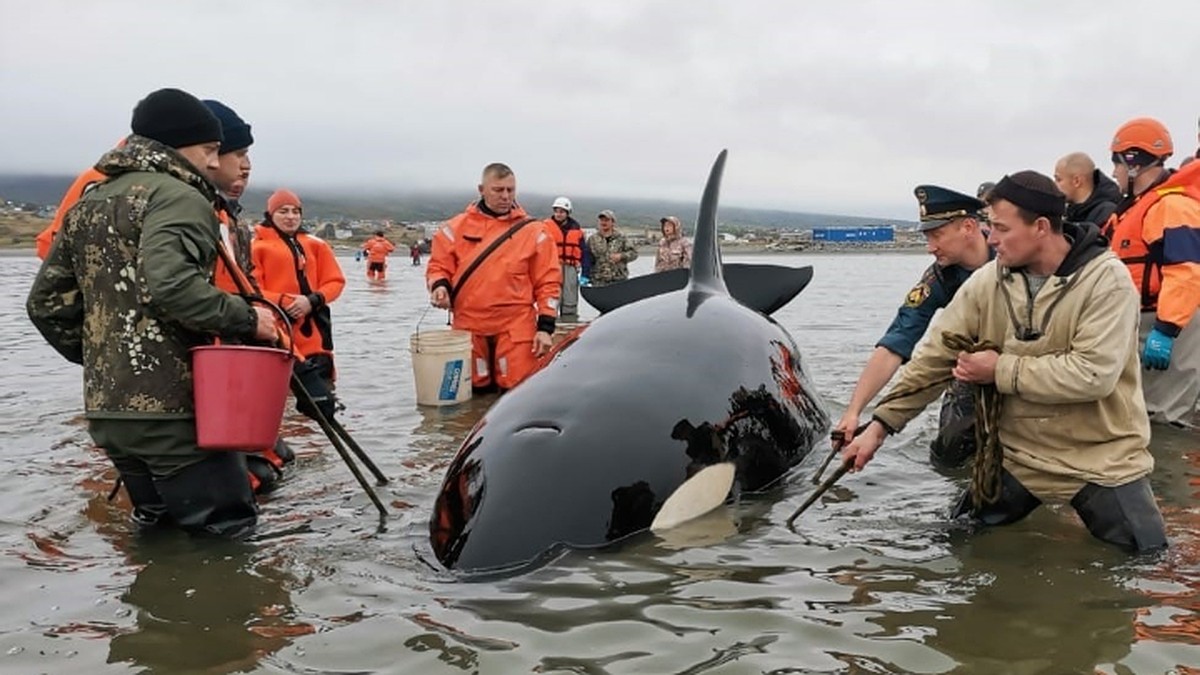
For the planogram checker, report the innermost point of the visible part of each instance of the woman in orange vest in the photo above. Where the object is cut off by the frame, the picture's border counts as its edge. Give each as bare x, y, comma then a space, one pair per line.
300, 273
377, 249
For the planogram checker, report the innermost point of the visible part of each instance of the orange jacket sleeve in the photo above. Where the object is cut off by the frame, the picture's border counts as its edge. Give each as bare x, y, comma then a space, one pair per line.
546, 273
330, 279
443, 258
1174, 224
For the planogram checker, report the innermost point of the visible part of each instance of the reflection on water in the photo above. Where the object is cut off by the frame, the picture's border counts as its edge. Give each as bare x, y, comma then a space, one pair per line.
204, 607
875, 580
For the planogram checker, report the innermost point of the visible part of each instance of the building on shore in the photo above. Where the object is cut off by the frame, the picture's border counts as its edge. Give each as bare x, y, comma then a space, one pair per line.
881, 234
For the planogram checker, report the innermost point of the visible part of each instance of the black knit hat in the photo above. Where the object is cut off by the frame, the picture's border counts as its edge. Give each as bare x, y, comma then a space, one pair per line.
1033, 192
234, 128
175, 118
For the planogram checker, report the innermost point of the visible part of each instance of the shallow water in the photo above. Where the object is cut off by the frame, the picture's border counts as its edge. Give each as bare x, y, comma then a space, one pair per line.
876, 581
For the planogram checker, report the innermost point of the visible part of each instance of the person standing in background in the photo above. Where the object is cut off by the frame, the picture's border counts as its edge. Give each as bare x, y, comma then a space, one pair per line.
300, 273
611, 252
568, 236
377, 249
674, 249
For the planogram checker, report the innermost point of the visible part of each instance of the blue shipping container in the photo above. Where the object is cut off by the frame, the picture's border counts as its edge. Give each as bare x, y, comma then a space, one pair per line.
862, 235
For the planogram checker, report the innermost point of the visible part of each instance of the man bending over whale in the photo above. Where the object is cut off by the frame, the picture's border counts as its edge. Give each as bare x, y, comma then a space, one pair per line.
951, 222
498, 270
1057, 319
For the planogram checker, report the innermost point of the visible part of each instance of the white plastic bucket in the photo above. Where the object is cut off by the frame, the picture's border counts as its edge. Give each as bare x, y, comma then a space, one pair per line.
441, 366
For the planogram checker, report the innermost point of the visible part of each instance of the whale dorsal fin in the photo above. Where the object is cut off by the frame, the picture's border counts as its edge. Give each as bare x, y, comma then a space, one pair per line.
706, 274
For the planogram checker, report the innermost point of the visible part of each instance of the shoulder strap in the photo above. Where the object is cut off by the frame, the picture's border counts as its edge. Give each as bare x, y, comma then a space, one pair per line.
485, 253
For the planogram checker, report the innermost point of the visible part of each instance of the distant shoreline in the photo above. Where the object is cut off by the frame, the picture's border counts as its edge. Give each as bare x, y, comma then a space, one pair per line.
649, 251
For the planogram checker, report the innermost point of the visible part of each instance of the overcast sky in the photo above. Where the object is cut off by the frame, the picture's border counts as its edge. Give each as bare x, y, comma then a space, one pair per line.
828, 106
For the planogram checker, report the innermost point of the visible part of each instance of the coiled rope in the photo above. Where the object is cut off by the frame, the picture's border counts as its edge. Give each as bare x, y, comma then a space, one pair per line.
989, 455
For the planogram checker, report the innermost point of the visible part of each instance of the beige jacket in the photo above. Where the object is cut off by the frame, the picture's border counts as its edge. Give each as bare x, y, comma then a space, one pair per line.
1072, 407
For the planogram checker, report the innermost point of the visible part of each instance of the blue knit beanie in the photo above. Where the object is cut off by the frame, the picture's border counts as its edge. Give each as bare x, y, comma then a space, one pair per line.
234, 128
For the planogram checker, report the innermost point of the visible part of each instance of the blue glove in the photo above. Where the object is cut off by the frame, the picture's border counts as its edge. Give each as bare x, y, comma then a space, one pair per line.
583, 280
1156, 355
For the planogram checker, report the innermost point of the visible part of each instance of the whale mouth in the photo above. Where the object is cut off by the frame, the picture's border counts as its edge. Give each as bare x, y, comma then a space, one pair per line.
539, 428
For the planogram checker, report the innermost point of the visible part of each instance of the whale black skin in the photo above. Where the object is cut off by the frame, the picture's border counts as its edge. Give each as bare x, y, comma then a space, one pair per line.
584, 452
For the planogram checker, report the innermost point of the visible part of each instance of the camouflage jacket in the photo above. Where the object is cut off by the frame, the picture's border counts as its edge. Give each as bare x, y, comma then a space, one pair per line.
126, 288
673, 254
604, 270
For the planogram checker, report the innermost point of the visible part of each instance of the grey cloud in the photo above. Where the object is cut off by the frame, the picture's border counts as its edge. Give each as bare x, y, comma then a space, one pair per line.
825, 106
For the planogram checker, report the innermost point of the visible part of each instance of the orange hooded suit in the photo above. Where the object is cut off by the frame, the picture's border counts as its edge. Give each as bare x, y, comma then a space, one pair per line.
510, 296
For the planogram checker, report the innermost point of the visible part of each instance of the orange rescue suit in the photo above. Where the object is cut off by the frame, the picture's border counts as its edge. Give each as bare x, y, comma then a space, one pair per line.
1158, 238
276, 268
377, 249
507, 296
569, 242
85, 180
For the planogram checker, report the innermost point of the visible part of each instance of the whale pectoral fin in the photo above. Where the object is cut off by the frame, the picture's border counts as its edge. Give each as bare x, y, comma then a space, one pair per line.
607, 298
703, 492
763, 288
766, 288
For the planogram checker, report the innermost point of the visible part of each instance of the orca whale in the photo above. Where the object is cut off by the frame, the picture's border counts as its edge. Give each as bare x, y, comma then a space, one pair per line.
656, 413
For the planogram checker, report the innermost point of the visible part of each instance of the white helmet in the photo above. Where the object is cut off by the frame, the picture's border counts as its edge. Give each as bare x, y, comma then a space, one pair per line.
562, 203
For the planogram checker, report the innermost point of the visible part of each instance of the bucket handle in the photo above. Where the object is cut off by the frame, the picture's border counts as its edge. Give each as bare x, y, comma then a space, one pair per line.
417, 346
285, 337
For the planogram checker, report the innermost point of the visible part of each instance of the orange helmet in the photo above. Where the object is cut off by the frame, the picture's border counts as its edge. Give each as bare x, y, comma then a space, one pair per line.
1144, 133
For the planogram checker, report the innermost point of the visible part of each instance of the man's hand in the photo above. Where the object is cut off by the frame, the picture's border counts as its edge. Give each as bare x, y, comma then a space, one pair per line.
542, 343
862, 449
298, 308
976, 367
264, 329
440, 297
1156, 354
615, 257
846, 426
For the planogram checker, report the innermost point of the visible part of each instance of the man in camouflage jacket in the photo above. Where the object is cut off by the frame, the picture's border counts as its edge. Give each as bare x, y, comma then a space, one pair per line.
611, 252
126, 291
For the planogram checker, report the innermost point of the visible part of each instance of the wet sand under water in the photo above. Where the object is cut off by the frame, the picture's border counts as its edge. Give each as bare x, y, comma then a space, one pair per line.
875, 580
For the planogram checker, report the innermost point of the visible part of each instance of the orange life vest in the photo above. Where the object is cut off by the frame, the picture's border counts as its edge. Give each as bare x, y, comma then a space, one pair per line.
81, 185
223, 276
570, 243
1139, 227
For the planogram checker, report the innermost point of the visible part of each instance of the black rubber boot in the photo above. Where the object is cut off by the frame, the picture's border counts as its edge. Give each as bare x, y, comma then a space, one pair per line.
1125, 515
148, 507
314, 376
212, 496
284, 452
1015, 503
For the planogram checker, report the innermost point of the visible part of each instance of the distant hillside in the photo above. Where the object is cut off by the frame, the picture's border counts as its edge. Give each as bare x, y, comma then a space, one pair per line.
418, 207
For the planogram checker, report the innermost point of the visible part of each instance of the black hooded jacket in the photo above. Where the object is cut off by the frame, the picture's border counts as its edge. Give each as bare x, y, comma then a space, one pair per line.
1100, 205
1086, 243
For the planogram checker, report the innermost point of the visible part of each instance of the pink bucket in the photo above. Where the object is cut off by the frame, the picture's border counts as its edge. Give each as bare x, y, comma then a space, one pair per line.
240, 395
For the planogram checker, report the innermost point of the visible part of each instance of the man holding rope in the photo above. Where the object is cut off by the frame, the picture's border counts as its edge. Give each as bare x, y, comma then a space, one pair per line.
1047, 333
